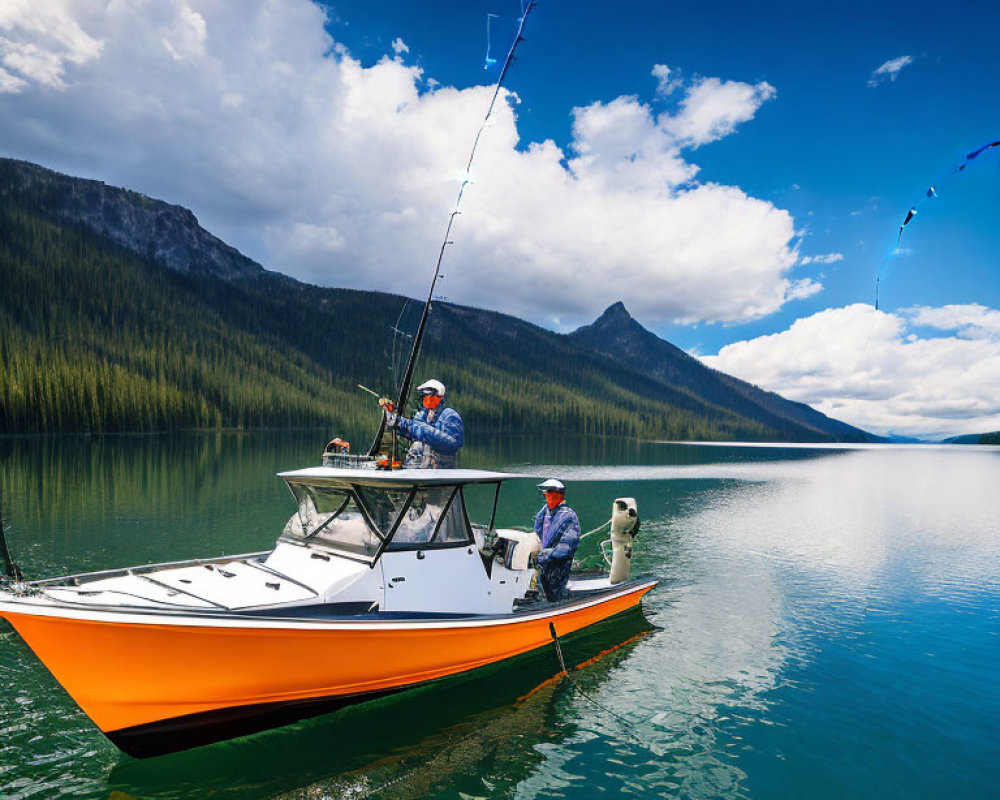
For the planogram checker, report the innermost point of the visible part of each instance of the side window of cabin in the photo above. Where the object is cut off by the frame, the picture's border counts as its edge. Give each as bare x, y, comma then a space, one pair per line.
383, 505
431, 519
316, 508
453, 529
421, 517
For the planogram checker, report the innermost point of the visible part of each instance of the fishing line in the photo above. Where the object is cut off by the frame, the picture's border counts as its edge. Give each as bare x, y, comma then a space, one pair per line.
384, 786
933, 192
397, 356
418, 336
595, 530
627, 723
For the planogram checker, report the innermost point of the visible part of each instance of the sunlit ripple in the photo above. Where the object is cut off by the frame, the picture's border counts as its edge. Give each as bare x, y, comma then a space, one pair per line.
842, 577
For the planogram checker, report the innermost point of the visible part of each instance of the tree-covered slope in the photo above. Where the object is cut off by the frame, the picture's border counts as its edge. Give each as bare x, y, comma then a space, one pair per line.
975, 438
617, 334
106, 333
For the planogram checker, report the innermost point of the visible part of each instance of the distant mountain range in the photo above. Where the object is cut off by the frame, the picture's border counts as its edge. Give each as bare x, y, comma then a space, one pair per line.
616, 334
167, 234
121, 313
975, 438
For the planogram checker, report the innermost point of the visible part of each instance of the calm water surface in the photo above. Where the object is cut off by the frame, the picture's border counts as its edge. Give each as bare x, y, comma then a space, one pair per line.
828, 626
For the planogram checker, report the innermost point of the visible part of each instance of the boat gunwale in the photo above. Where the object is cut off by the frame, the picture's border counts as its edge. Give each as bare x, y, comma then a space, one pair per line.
200, 618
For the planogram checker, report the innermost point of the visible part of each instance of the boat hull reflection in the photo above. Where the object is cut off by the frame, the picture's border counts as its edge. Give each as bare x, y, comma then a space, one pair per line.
485, 723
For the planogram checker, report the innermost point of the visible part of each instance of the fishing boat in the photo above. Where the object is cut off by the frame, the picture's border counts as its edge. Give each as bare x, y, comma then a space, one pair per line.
379, 582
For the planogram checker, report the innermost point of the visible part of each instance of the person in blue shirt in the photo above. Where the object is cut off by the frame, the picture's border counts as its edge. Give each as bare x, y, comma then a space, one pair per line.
558, 530
437, 430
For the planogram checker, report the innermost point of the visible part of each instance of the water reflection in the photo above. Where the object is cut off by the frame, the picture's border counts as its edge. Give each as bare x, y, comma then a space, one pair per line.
762, 574
479, 734
827, 626
79, 503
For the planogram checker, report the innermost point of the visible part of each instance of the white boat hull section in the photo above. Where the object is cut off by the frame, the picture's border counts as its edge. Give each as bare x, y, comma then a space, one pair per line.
329, 576
124, 590
449, 581
291, 575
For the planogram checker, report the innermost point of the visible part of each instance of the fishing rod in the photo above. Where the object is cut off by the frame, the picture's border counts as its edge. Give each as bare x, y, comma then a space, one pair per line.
404, 388
11, 570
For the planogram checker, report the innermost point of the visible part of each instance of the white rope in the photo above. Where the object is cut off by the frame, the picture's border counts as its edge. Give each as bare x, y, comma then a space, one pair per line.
599, 528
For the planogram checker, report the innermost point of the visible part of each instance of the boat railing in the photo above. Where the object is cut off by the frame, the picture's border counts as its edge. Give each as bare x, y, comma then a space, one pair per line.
111, 573
347, 460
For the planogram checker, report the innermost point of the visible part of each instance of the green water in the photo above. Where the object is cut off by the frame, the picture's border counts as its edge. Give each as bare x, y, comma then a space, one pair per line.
827, 626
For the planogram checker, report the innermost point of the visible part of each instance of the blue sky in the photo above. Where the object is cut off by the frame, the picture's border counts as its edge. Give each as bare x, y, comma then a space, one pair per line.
846, 158
736, 174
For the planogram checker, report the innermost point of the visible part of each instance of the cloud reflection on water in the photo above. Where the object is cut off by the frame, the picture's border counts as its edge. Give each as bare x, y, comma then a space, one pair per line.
763, 562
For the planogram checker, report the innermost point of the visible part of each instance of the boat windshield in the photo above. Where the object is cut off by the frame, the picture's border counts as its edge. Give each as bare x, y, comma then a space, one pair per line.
359, 520
334, 518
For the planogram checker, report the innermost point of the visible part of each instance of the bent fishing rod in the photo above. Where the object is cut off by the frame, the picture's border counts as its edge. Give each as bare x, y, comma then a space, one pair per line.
404, 388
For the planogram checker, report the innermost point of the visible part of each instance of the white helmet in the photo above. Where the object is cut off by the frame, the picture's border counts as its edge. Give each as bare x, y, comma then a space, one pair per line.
432, 386
552, 485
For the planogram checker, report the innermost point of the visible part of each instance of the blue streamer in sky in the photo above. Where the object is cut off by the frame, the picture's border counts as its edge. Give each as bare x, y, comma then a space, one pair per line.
930, 194
975, 153
490, 62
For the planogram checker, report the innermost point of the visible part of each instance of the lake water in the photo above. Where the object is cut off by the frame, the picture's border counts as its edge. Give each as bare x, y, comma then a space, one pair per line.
828, 626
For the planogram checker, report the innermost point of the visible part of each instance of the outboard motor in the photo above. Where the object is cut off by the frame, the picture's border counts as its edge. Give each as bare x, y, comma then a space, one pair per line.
624, 527
515, 548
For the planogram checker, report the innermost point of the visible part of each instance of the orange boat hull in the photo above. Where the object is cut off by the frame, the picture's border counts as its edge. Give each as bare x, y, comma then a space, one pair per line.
154, 686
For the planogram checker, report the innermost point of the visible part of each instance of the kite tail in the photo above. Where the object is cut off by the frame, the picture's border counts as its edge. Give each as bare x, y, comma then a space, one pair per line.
932, 193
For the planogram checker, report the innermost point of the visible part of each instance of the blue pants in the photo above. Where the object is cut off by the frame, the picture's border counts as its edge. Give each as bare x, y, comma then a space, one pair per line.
554, 577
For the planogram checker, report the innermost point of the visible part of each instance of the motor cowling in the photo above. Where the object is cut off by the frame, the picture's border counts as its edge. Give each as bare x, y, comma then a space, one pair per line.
516, 548
624, 527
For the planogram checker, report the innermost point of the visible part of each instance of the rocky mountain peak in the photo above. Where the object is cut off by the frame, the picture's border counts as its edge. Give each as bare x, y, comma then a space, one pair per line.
614, 314
169, 234
615, 328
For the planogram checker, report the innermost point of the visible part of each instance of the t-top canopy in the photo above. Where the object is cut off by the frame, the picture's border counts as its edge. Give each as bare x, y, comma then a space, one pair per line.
335, 476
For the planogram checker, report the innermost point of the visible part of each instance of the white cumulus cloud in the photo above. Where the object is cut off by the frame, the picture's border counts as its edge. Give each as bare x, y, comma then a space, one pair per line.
874, 369
38, 41
824, 258
666, 79
713, 108
337, 173
971, 321
889, 70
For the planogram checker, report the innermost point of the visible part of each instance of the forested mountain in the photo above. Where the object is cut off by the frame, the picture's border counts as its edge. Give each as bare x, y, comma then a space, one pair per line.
618, 335
165, 233
975, 438
119, 313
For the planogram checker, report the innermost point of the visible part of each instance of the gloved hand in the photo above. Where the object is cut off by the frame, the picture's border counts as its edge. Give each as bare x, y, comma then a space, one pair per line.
391, 419
543, 556
386, 403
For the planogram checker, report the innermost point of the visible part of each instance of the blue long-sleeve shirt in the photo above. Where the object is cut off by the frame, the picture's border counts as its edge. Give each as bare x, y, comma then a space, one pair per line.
559, 532
437, 436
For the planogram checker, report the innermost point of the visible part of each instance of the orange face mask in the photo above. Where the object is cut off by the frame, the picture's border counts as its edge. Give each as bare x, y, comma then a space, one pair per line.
432, 401
553, 499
